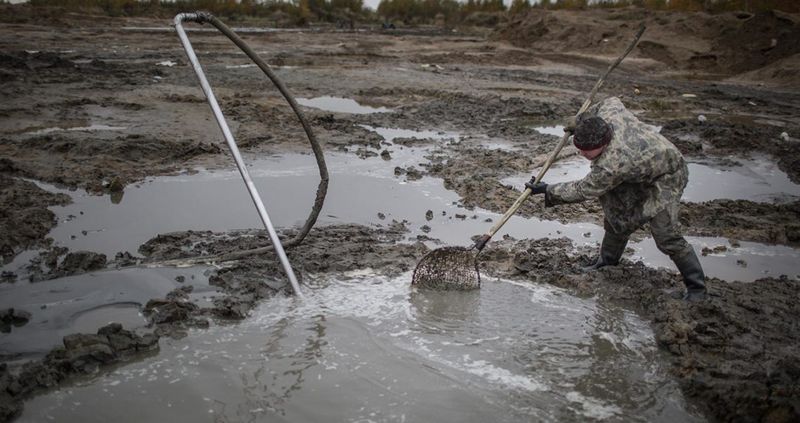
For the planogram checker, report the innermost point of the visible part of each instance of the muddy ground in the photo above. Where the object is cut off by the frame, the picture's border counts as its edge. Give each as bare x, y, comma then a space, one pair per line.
736, 356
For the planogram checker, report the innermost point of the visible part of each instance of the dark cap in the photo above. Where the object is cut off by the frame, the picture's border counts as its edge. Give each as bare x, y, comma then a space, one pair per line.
591, 132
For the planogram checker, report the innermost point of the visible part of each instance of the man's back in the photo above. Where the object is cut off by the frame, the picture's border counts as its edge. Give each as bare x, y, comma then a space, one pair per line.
637, 150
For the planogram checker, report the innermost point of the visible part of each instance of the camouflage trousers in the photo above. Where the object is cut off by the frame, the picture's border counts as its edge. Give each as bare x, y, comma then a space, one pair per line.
664, 230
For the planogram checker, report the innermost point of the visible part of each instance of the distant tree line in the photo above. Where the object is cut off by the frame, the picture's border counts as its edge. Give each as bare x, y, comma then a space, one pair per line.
302, 11
408, 11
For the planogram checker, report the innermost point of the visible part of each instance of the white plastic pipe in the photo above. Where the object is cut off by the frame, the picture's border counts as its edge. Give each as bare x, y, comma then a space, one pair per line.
226, 132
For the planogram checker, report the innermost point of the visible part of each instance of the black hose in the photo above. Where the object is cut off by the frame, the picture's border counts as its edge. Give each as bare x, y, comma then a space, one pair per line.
322, 188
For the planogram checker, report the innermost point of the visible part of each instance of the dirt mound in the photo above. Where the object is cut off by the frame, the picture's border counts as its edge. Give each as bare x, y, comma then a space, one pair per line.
782, 73
727, 44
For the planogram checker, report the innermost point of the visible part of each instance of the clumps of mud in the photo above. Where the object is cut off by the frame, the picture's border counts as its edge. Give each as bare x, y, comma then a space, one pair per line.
97, 165
490, 114
58, 262
24, 217
82, 354
333, 248
13, 318
744, 220
736, 354
50, 67
729, 137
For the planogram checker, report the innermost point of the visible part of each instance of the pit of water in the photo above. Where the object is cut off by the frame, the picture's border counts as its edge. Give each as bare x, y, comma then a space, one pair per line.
365, 348
340, 105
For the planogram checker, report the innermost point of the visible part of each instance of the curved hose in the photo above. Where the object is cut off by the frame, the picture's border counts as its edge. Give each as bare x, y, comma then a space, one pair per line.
322, 188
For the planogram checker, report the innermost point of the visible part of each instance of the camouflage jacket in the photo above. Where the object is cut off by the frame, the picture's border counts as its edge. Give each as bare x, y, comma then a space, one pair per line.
639, 174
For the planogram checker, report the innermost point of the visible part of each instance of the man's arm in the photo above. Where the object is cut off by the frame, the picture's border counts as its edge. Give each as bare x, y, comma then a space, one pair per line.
598, 182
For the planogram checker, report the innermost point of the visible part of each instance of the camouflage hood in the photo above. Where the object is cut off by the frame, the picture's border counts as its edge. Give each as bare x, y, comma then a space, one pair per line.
639, 174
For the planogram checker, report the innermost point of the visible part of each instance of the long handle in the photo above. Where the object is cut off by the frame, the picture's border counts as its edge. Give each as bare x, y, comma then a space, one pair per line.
525, 194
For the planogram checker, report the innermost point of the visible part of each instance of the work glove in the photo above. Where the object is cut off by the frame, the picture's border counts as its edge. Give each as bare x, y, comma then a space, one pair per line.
569, 125
481, 242
536, 187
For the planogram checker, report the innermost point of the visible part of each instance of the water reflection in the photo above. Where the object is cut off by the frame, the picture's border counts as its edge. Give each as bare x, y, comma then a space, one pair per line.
444, 311
267, 389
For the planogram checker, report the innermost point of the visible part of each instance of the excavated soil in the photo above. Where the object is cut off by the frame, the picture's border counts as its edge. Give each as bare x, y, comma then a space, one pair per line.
101, 104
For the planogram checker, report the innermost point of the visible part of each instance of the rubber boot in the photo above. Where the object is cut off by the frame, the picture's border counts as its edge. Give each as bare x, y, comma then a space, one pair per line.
610, 253
693, 277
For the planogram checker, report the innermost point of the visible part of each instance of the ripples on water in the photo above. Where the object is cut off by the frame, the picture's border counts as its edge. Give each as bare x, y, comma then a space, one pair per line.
367, 348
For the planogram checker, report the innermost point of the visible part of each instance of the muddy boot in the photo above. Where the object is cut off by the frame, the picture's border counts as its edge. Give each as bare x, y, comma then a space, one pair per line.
610, 252
693, 278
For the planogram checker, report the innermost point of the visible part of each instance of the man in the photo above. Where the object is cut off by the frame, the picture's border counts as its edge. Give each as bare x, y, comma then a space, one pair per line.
639, 177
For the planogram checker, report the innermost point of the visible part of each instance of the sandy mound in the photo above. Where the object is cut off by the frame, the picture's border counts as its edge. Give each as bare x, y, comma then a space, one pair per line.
782, 73
725, 44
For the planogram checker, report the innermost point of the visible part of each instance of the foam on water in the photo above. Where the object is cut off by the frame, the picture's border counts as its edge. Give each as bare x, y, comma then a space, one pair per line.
90, 128
593, 408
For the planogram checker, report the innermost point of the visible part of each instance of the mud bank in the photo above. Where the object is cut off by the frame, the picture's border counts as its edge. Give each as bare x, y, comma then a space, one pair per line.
81, 355
25, 219
726, 43
735, 356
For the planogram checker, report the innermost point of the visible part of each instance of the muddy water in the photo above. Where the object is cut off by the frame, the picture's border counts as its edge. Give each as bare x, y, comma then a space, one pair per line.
371, 349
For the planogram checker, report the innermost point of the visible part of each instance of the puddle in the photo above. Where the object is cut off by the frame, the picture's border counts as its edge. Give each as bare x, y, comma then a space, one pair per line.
90, 128
391, 134
127, 314
85, 303
747, 262
368, 348
754, 179
340, 105
557, 130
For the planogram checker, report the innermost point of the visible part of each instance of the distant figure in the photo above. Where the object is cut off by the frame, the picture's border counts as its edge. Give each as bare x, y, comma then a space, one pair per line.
639, 177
